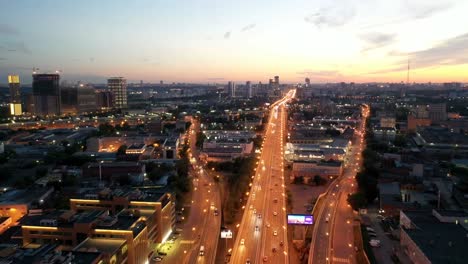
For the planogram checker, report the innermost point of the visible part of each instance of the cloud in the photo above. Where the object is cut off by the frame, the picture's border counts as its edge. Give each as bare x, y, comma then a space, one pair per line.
377, 40
248, 27
453, 51
17, 47
418, 11
8, 30
334, 16
227, 35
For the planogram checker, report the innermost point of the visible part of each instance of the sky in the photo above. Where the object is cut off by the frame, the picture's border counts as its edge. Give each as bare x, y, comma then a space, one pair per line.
215, 41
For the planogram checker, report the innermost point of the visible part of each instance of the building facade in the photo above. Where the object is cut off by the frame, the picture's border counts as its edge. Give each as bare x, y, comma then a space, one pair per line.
15, 95
118, 85
46, 94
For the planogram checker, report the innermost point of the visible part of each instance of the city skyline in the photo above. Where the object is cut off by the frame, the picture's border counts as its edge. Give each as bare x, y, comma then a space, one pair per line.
208, 42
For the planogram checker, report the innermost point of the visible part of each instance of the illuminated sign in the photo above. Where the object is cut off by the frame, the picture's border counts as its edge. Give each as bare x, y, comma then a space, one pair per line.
300, 219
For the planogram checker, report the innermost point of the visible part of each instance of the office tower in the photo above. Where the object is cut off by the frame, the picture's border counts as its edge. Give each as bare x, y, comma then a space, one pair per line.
232, 89
15, 95
78, 99
307, 82
248, 84
105, 100
46, 94
118, 85
277, 80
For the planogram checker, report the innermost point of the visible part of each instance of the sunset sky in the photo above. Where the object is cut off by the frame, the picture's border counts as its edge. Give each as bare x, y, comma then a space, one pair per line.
220, 40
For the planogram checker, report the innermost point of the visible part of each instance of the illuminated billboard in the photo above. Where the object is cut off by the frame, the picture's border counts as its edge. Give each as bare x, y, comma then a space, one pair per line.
300, 219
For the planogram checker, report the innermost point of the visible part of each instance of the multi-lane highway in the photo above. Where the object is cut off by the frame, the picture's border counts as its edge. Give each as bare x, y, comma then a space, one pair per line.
332, 238
203, 226
262, 234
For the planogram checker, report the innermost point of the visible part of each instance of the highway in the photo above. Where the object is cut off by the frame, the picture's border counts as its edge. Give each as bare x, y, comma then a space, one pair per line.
332, 238
262, 234
202, 227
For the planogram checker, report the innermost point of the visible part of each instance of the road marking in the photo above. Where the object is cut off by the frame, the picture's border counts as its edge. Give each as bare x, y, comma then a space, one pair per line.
187, 241
341, 260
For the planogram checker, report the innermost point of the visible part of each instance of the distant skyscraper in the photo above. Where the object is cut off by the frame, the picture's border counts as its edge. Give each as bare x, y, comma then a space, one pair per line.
277, 80
307, 82
232, 89
248, 84
78, 99
46, 94
105, 100
118, 85
15, 95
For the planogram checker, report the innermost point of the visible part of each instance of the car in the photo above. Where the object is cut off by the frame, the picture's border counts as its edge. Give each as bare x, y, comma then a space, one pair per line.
281, 243
374, 243
275, 200
265, 258
275, 213
256, 228
259, 215
255, 211
275, 233
157, 259
248, 261
370, 229
268, 225
273, 250
242, 242
327, 219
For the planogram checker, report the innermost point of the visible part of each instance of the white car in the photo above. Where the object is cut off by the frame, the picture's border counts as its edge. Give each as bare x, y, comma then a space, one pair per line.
242, 242
275, 233
275, 213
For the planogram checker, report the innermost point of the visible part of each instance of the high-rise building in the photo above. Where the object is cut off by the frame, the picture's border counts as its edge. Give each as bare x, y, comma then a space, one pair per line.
46, 94
277, 80
307, 82
248, 84
232, 89
78, 99
118, 85
15, 95
105, 100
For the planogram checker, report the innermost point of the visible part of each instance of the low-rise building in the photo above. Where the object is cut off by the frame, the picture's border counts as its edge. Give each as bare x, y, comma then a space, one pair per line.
434, 236
308, 169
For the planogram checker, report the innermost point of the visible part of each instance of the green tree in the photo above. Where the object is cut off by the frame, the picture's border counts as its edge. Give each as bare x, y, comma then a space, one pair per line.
121, 150
106, 129
357, 200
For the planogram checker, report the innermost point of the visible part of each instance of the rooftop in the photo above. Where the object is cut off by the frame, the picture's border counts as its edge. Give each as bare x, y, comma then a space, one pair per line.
106, 245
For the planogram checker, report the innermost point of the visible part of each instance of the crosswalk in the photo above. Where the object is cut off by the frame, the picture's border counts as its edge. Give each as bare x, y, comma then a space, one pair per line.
340, 260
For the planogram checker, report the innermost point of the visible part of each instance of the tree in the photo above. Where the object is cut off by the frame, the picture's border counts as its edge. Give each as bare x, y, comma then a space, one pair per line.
318, 180
298, 180
106, 129
121, 150
200, 139
357, 200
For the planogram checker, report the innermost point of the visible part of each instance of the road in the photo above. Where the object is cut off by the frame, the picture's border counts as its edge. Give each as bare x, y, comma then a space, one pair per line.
262, 233
202, 227
332, 238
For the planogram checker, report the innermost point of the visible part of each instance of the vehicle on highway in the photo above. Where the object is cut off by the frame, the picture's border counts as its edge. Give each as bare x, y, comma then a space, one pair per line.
370, 229
212, 206
275, 213
242, 242
157, 259
256, 228
268, 225
281, 243
202, 251
259, 215
275, 200
255, 211
216, 211
273, 250
374, 243
265, 259
327, 219
275, 233
248, 261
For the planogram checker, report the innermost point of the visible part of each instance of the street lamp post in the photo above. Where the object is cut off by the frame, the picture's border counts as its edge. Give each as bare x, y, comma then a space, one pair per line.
100, 171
